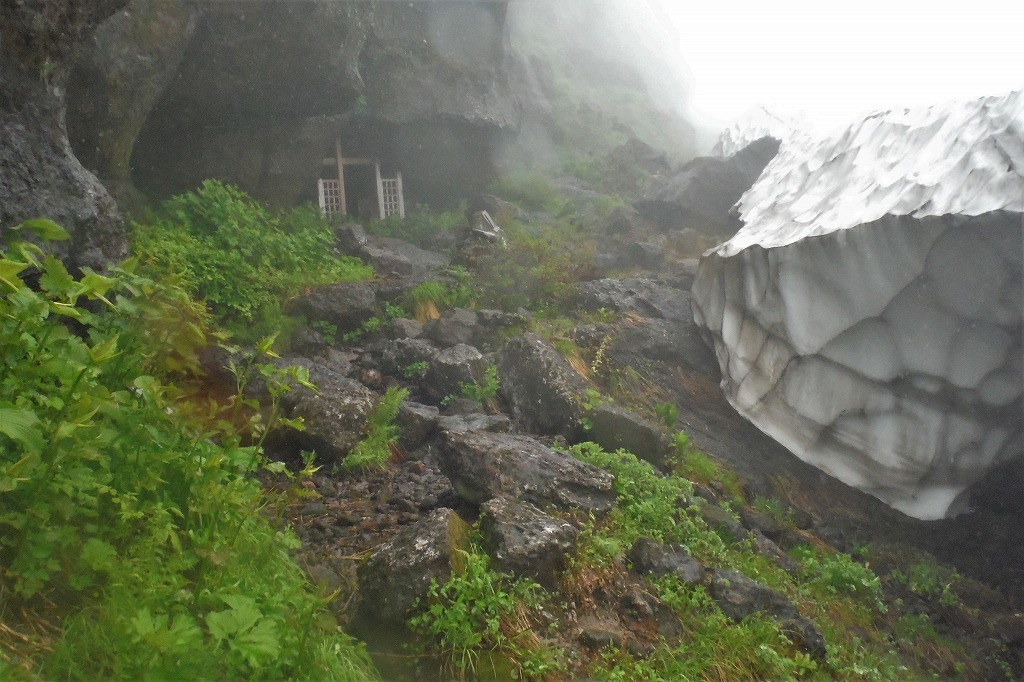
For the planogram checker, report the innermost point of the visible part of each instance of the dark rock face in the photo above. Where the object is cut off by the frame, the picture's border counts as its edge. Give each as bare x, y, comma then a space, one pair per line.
524, 540
738, 596
613, 427
346, 305
255, 93
39, 174
399, 354
113, 90
543, 391
483, 465
703, 192
399, 571
672, 342
654, 558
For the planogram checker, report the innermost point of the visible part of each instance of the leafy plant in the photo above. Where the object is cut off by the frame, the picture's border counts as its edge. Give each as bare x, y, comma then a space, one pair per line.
143, 521
484, 391
667, 413
480, 610
416, 370
240, 259
374, 451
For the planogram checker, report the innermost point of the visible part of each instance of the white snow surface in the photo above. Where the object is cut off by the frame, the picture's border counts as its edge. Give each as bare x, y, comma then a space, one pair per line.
870, 316
759, 122
961, 158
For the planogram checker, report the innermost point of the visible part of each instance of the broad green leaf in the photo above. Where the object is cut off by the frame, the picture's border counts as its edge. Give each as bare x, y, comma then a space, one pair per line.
104, 351
22, 426
56, 280
45, 229
98, 555
9, 270
94, 284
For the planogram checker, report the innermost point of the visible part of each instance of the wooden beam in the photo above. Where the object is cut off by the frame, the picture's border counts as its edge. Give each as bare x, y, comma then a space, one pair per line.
340, 160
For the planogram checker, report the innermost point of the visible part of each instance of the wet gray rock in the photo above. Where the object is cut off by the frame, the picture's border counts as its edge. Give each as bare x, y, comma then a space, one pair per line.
766, 547
455, 326
452, 367
398, 354
738, 596
346, 305
404, 328
485, 465
722, 521
525, 541
675, 342
350, 238
543, 392
702, 193
462, 423
644, 297
658, 559
613, 427
399, 571
390, 256
333, 416
418, 423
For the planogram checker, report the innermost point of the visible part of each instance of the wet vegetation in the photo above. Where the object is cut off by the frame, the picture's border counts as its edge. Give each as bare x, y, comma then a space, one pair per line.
138, 542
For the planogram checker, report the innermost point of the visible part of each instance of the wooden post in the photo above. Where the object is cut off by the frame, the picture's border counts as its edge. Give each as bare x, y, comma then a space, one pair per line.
380, 192
401, 197
339, 159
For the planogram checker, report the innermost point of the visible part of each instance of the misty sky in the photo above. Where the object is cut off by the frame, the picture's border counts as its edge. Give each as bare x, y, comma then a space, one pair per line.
834, 60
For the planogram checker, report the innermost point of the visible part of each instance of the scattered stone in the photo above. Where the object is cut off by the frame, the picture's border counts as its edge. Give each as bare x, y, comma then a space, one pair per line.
767, 524
738, 596
485, 465
600, 633
525, 541
452, 367
657, 559
544, 393
613, 427
400, 570
350, 238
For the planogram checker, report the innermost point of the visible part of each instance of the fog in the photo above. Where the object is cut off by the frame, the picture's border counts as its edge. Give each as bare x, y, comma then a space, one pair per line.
833, 61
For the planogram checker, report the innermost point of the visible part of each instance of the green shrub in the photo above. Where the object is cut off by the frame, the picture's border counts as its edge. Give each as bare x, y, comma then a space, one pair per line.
422, 226
237, 257
479, 610
144, 525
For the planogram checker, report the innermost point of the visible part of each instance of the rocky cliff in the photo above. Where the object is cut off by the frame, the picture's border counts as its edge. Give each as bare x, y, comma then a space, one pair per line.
257, 93
39, 174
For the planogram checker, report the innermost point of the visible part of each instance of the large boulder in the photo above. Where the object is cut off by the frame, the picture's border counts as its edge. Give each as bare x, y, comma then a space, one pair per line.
543, 391
868, 317
644, 297
739, 597
613, 427
399, 571
333, 415
39, 174
483, 465
524, 540
703, 192
346, 305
